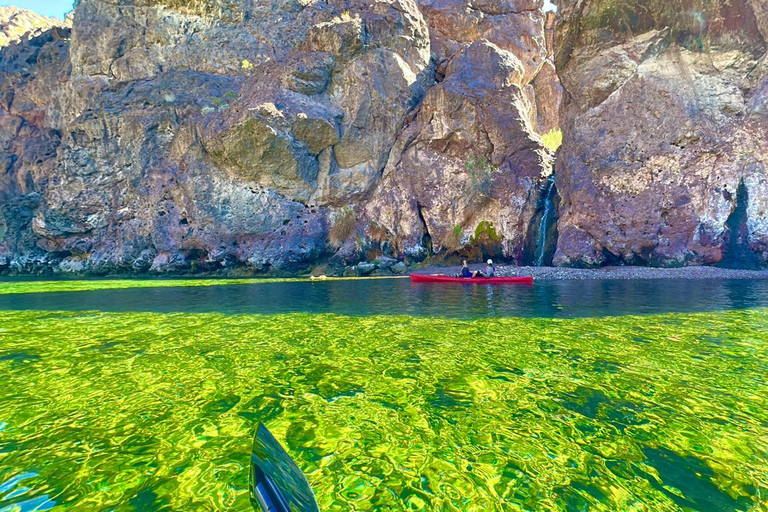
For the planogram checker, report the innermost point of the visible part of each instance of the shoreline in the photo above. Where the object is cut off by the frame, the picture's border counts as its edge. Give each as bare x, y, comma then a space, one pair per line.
618, 273
538, 273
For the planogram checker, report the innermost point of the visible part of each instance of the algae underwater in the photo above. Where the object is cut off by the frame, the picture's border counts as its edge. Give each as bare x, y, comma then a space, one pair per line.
156, 410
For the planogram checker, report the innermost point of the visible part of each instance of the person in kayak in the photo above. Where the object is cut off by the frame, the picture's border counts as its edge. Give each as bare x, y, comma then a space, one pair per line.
464, 272
489, 271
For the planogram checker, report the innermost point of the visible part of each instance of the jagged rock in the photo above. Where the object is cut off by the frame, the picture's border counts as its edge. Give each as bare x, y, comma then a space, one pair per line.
341, 37
548, 95
663, 160
514, 26
467, 158
317, 134
310, 73
259, 148
219, 136
179, 138
16, 24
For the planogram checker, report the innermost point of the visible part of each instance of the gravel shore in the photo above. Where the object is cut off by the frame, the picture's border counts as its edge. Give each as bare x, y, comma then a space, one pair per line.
561, 273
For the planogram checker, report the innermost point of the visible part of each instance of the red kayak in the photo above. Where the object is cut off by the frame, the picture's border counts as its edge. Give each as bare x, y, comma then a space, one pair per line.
422, 278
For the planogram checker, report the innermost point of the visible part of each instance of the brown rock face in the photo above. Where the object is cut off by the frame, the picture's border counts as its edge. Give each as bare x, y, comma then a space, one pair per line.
468, 157
159, 137
469, 160
242, 136
513, 26
664, 121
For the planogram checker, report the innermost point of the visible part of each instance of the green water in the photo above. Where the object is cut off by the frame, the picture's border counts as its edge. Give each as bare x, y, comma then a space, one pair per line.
151, 411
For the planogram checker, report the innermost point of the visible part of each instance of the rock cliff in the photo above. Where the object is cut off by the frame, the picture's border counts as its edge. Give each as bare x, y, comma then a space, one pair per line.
16, 23
244, 136
665, 132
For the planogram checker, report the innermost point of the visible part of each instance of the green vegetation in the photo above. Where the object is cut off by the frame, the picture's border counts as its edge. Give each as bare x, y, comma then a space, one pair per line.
553, 139
246, 65
483, 174
9, 287
223, 102
484, 233
343, 226
156, 411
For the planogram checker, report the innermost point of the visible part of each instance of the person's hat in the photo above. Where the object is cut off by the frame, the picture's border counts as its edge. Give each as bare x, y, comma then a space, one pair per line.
490, 262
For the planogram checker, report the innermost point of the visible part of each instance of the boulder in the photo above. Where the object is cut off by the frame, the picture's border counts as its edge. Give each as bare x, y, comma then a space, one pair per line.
365, 269
399, 268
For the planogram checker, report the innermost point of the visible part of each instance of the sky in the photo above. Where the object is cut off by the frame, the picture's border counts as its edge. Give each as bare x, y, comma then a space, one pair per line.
56, 8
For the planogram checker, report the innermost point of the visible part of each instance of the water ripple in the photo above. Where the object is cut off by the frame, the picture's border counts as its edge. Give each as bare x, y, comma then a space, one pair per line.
155, 411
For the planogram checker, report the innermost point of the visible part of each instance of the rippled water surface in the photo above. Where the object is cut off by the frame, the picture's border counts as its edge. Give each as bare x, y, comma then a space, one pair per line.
561, 396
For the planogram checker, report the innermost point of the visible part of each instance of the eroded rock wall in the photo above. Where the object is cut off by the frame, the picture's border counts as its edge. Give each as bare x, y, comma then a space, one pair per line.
201, 136
464, 174
665, 148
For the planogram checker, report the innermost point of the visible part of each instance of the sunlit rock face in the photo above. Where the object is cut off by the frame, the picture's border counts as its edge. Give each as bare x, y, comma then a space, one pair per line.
664, 155
470, 155
16, 24
201, 136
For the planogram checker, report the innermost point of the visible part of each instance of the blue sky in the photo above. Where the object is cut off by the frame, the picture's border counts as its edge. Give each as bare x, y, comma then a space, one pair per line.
56, 8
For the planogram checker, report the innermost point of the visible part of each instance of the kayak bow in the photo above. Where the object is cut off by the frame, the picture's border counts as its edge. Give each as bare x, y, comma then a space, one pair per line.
433, 278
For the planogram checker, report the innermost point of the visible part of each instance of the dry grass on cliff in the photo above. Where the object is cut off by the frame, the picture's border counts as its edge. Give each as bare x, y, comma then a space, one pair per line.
343, 226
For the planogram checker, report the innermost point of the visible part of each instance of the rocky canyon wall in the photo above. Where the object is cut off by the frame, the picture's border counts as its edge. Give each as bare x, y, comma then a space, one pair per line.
267, 136
16, 24
665, 132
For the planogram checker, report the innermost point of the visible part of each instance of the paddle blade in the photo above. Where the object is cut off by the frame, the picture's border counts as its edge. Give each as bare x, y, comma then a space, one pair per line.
276, 483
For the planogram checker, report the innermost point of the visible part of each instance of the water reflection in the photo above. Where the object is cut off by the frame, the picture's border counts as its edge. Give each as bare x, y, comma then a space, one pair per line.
401, 297
14, 492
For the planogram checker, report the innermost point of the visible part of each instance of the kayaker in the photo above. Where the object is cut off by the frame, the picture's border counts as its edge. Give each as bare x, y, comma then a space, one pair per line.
464, 272
490, 270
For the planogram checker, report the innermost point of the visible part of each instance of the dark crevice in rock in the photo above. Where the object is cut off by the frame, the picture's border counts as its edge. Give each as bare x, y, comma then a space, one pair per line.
736, 250
426, 238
